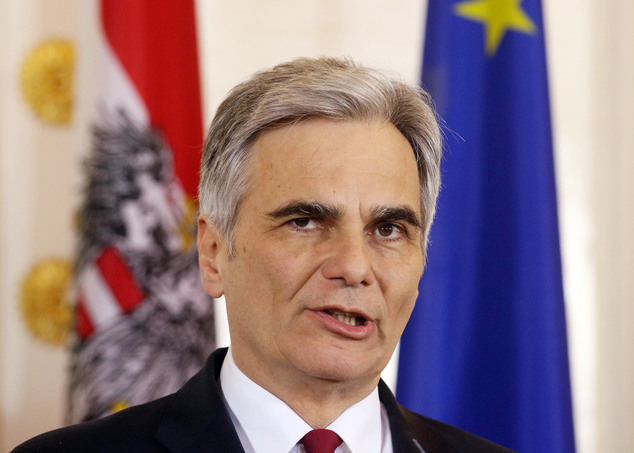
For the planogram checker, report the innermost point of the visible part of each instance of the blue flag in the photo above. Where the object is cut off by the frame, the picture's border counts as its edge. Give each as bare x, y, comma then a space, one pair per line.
486, 348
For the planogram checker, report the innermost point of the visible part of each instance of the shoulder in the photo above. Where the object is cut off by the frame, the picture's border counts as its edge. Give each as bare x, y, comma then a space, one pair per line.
131, 430
194, 417
460, 440
412, 432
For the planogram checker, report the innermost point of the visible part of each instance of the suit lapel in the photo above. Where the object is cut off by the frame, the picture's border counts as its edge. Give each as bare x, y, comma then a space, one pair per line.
410, 433
196, 420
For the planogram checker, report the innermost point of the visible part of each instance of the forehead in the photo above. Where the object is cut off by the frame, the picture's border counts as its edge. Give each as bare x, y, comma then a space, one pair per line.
327, 160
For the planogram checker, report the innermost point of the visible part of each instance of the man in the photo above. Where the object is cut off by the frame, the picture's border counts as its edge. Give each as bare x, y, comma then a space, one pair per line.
318, 187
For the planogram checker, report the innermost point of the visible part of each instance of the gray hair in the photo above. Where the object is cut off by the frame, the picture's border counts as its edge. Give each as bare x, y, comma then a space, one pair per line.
305, 88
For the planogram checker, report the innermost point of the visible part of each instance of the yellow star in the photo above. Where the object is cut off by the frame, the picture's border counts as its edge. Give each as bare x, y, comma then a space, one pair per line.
497, 16
119, 405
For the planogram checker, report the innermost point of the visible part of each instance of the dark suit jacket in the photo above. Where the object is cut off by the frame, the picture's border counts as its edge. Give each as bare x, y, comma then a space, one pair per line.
194, 419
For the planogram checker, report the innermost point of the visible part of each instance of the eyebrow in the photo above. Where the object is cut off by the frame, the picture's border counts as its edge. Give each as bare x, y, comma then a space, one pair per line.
306, 208
396, 213
327, 211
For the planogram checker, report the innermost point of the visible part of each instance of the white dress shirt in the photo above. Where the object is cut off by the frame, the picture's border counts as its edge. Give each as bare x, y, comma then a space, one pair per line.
266, 424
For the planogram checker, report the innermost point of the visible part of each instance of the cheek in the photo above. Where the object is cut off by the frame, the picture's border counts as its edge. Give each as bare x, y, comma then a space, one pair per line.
402, 292
286, 268
269, 279
405, 306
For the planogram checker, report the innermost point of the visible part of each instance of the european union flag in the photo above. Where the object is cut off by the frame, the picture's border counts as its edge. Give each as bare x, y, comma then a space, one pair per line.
486, 347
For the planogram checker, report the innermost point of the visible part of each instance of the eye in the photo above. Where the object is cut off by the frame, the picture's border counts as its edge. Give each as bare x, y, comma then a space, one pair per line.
303, 223
389, 231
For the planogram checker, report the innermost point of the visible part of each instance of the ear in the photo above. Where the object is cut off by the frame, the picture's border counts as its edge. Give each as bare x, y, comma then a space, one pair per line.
211, 246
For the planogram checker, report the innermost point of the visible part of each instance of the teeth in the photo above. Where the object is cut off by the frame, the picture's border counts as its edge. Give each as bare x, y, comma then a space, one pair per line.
346, 318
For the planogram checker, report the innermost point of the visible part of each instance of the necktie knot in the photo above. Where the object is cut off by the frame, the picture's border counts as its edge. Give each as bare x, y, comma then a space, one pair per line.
320, 441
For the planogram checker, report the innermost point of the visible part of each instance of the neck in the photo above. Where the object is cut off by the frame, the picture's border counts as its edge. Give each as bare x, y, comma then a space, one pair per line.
316, 400
320, 402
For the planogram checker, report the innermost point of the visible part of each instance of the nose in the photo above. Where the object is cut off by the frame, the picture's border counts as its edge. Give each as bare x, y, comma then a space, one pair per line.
348, 259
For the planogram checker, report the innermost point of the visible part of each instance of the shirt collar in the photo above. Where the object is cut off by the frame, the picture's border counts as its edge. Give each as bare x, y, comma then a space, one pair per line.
267, 423
360, 425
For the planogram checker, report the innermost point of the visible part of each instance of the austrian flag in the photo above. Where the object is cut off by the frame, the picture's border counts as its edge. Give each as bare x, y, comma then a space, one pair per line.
144, 324
106, 291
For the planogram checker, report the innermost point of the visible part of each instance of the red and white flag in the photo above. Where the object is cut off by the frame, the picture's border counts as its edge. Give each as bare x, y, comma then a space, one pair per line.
144, 324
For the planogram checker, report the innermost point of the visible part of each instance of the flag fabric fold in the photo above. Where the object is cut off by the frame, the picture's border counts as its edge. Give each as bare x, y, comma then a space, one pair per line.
486, 346
144, 324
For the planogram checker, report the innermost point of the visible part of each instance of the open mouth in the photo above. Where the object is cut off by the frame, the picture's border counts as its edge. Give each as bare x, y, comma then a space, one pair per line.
347, 318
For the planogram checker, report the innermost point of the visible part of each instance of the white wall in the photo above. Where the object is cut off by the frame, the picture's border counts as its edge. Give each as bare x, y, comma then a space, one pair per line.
591, 62
613, 217
36, 167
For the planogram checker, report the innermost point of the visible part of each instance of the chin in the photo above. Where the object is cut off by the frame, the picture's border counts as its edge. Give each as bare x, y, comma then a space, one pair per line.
342, 366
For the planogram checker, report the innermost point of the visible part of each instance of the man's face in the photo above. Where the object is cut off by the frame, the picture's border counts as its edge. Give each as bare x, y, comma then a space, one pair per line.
327, 253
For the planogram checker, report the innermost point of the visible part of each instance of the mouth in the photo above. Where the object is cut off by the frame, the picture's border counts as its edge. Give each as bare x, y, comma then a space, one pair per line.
353, 325
347, 318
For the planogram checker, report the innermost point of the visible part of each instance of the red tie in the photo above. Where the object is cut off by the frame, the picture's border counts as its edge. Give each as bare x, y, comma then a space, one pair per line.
321, 441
